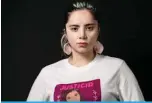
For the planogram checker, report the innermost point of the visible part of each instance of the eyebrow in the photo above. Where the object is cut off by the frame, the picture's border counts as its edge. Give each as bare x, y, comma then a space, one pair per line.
75, 25
91, 24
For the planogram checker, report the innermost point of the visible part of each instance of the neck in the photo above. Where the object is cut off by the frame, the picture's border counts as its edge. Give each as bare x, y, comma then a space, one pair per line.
79, 60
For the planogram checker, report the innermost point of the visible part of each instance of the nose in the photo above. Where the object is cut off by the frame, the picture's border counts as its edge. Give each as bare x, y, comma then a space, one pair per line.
82, 34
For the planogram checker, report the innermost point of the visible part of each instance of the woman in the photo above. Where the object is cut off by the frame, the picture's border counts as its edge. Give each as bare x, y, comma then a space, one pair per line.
71, 95
96, 76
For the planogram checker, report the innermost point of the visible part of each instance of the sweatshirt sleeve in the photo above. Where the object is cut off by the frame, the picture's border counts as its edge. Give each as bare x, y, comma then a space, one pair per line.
38, 89
128, 85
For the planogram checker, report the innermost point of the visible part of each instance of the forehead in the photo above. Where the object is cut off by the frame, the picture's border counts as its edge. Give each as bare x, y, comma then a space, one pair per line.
74, 91
81, 17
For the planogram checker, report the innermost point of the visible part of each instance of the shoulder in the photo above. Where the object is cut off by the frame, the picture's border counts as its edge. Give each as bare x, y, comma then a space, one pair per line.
110, 63
109, 60
115, 63
113, 66
53, 67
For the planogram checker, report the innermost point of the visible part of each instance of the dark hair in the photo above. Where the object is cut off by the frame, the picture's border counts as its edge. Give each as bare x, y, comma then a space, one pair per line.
79, 5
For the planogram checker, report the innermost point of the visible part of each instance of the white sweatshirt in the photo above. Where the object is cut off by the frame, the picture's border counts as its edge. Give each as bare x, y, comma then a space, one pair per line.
103, 79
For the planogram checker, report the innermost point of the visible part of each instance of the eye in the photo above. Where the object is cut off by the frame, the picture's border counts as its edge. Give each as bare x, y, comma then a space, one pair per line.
75, 29
89, 28
76, 94
68, 98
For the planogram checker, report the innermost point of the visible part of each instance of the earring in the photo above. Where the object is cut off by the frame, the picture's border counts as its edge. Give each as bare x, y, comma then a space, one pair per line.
67, 49
98, 47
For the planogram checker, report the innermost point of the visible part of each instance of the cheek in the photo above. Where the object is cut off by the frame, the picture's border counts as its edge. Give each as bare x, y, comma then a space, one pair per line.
71, 36
92, 37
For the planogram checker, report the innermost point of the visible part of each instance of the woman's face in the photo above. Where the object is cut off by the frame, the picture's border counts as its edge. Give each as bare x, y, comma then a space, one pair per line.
73, 96
82, 31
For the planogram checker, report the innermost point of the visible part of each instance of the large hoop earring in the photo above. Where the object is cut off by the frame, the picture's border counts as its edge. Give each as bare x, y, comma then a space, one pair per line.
98, 47
67, 49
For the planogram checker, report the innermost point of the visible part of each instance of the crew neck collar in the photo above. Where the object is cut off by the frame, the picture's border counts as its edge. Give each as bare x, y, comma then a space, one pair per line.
81, 68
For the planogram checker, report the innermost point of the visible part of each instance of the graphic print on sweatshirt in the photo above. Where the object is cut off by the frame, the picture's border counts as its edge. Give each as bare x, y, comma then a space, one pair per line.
80, 91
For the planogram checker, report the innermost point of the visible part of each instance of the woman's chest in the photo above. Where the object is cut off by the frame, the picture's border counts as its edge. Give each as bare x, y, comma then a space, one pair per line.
83, 87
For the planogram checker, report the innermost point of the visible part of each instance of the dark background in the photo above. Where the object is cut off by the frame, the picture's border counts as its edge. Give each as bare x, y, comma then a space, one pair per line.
31, 32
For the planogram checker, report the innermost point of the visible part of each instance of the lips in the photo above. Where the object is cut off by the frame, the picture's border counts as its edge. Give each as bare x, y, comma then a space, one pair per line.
83, 44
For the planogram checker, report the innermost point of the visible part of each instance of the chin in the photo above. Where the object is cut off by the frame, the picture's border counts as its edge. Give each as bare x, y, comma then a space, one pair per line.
83, 51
